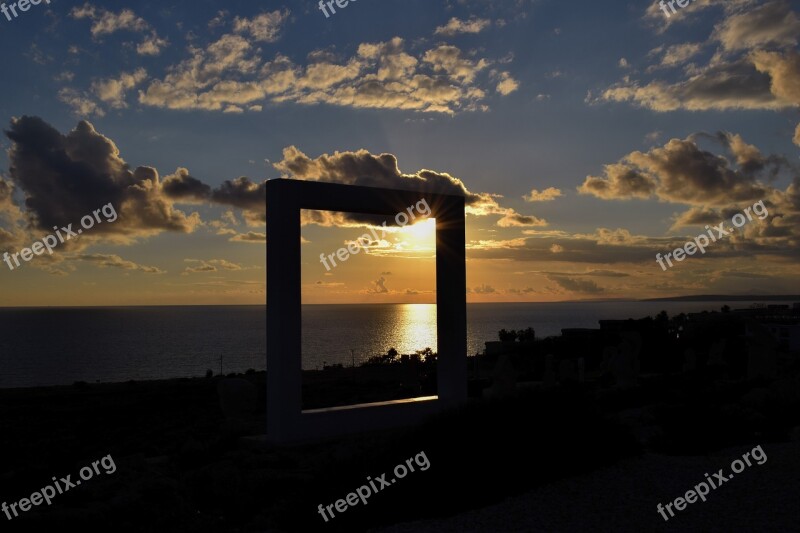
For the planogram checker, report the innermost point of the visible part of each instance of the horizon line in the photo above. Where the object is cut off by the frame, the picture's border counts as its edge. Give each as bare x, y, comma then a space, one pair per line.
685, 298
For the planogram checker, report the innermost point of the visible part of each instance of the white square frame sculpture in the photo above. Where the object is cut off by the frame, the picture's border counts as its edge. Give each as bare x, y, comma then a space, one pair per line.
286, 421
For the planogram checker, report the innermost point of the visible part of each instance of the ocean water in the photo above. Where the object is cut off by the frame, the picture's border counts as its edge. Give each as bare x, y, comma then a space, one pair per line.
58, 346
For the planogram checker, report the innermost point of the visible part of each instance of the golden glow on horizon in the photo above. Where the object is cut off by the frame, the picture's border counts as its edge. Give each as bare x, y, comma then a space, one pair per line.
398, 267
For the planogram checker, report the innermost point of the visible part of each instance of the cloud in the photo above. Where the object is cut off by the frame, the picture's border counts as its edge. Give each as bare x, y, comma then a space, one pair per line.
115, 261
151, 45
507, 84
106, 22
231, 72
586, 286
66, 75
512, 219
250, 237
211, 265
8, 208
605, 274
729, 85
773, 23
455, 26
760, 240
112, 90
595, 273
244, 194
182, 187
753, 68
603, 247
662, 23
619, 181
198, 269
653, 136
332, 285
483, 289
700, 216
797, 135
784, 72
369, 170
264, 27
741, 274
80, 103
198, 83
547, 195
451, 60
379, 286
219, 20
678, 54
526, 290
716, 187
682, 172
65, 177
492, 244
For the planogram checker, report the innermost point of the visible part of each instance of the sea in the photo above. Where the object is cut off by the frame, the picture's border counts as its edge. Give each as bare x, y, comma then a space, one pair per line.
61, 346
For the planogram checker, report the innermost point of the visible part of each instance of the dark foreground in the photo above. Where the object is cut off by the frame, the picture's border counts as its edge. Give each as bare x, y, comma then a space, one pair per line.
182, 466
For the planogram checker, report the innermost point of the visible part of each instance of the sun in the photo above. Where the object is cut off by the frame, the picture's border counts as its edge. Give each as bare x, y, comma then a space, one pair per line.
424, 231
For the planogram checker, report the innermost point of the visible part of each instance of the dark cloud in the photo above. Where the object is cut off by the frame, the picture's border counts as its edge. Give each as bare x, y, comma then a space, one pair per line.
726, 85
183, 187
682, 172
369, 170
244, 194
700, 216
717, 187
750, 160
65, 177
620, 182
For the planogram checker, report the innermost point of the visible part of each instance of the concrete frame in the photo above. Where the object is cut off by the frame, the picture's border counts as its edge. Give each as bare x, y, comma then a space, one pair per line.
286, 422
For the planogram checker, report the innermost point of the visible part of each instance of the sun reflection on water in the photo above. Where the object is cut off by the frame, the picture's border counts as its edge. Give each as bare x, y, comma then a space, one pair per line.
415, 328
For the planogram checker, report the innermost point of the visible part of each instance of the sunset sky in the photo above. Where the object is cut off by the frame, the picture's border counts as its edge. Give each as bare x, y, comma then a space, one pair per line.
586, 136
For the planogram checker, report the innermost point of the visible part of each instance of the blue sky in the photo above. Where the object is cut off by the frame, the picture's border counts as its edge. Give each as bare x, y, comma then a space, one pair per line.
504, 96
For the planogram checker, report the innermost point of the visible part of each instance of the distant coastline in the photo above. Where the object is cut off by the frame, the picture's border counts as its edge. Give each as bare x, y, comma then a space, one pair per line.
720, 298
